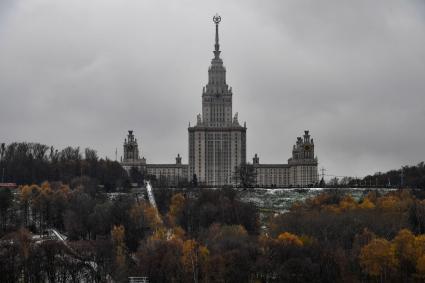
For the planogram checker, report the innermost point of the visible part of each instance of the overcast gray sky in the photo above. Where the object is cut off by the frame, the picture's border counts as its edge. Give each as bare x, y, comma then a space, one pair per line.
83, 72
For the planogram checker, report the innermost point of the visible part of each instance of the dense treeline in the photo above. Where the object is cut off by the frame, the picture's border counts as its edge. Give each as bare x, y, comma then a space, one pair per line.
407, 176
209, 236
34, 163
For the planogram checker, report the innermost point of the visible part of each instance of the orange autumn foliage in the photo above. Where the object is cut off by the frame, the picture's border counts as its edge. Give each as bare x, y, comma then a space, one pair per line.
178, 232
378, 258
405, 246
118, 234
176, 207
152, 217
193, 256
420, 266
387, 202
347, 203
287, 238
394, 201
420, 245
366, 204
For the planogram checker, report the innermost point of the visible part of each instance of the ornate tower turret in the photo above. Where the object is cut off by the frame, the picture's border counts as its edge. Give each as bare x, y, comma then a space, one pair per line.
303, 149
303, 164
131, 149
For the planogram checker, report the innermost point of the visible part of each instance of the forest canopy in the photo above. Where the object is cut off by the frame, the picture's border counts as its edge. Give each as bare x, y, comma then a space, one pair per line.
34, 163
209, 236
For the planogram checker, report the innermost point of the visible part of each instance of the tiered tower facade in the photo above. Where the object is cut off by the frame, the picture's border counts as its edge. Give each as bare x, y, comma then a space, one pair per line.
217, 143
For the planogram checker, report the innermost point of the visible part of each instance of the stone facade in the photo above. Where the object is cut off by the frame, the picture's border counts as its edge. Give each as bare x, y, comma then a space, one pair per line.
300, 171
169, 174
217, 143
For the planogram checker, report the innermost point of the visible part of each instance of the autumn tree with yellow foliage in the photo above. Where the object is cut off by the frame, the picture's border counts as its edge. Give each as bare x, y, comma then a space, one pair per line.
378, 259
194, 259
120, 250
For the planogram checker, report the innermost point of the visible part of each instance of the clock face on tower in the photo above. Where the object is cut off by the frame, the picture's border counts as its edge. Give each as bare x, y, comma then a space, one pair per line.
307, 147
130, 147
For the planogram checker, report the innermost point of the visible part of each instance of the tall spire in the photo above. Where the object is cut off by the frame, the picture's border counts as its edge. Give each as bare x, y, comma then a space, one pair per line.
216, 72
216, 20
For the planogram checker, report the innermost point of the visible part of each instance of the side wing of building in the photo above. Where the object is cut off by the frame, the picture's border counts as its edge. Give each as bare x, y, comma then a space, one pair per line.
300, 171
172, 174
168, 174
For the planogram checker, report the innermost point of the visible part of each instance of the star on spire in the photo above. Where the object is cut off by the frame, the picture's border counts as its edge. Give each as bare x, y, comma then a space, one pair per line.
216, 20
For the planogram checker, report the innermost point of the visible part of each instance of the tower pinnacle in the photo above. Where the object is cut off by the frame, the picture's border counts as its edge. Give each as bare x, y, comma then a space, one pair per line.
216, 20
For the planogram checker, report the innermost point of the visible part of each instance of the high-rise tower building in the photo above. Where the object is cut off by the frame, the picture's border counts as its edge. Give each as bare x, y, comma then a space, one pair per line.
217, 143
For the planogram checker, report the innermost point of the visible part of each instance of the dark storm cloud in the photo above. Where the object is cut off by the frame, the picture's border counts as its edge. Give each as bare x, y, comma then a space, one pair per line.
84, 72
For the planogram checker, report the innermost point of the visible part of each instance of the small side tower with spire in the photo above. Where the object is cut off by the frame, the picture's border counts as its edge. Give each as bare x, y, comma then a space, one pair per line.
131, 148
